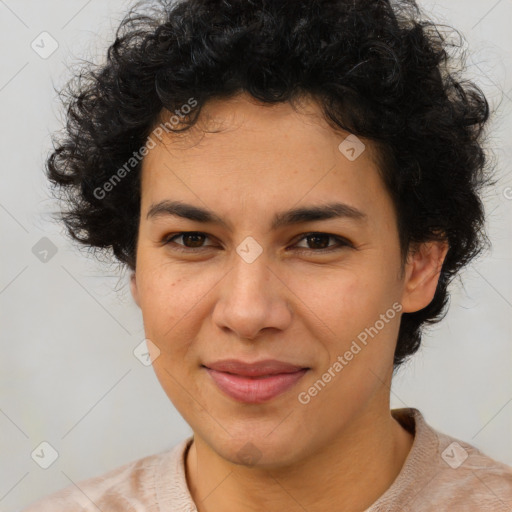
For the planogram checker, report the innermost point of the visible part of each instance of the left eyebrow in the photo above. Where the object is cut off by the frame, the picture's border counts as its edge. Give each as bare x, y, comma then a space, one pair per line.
285, 218
315, 213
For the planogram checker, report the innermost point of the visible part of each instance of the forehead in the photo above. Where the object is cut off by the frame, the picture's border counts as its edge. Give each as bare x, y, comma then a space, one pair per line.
258, 156
299, 131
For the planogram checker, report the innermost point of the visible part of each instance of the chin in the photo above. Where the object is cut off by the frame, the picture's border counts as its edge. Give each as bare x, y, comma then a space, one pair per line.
262, 451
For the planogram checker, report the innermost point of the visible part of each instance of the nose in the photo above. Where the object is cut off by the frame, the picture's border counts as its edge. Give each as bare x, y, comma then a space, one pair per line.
252, 298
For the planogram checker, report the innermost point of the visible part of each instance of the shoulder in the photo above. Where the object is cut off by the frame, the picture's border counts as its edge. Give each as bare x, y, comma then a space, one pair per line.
469, 479
445, 473
131, 487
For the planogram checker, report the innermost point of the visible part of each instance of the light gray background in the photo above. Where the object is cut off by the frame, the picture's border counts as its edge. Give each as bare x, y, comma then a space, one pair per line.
68, 327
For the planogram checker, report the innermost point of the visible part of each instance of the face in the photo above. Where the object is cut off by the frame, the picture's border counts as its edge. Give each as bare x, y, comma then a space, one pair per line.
321, 293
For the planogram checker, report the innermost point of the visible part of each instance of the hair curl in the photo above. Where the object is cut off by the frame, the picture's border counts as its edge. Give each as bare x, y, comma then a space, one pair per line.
377, 68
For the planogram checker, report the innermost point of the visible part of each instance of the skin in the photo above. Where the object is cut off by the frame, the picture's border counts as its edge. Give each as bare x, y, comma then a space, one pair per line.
305, 308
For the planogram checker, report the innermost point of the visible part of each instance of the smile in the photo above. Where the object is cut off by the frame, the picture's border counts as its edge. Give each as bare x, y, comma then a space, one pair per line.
255, 383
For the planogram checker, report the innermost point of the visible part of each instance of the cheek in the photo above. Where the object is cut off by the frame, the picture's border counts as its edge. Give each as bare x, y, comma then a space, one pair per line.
170, 306
343, 300
165, 300
346, 315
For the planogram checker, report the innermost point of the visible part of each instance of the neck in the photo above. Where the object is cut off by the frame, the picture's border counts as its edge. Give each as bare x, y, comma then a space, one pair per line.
355, 469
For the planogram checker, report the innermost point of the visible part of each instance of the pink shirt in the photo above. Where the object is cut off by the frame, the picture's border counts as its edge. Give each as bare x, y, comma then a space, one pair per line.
440, 474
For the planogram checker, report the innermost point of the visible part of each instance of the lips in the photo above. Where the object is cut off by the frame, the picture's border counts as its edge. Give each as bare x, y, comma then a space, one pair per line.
256, 382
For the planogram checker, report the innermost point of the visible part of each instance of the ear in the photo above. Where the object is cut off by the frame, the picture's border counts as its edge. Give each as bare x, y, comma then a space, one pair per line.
133, 288
422, 271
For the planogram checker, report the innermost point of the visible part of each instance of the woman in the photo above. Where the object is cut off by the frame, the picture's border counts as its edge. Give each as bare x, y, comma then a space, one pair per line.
292, 185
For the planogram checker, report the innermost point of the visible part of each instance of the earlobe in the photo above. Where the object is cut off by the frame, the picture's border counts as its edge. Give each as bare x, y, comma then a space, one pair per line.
134, 289
423, 269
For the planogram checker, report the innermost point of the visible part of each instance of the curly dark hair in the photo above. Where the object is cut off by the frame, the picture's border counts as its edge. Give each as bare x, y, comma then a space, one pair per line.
378, 69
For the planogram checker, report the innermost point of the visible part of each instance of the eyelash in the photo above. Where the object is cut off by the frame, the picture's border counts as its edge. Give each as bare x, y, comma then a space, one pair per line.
342, 242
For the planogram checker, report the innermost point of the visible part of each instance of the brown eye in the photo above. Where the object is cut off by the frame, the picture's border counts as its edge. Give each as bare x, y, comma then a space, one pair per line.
316, 242
319, 242
193, 239
190, 240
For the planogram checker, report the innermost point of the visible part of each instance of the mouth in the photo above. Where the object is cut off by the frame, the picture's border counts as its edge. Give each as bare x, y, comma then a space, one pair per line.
254, 383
